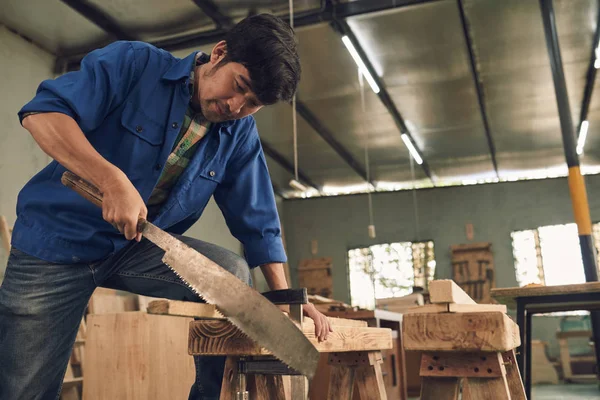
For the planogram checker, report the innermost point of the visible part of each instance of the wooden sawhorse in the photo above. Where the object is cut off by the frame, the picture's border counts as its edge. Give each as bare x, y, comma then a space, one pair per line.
466, 343
353, 348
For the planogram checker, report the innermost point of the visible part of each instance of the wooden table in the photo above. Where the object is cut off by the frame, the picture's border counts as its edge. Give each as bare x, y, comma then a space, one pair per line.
543, 299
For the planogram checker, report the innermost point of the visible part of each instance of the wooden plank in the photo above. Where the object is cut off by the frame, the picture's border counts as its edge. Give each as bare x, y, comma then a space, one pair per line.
266, 387
465, 308
544, 371
508, 295
456, 308
217, 337
439, 388
4, 234
184, 309
462, 364
209, 311
493, 331
229, 385
341, 383
485, 388
109, 301
129, 354
574, 334
513, 376
565, 358
428, 309
447, 291
369, 379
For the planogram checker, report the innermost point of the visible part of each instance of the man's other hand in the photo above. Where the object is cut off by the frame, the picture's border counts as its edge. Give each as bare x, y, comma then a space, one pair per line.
122, 205
322, 324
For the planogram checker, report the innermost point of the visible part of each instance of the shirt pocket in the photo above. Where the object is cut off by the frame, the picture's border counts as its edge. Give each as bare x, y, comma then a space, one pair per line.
197, 193
137, 123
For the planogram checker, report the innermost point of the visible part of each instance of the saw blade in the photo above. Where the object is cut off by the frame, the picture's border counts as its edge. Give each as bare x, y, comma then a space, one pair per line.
247, 309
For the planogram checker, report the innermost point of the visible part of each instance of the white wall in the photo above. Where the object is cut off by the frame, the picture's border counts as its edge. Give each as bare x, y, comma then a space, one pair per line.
22, 67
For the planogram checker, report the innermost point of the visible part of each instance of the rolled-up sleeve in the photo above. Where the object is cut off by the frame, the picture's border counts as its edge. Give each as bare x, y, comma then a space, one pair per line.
248, 204
90, 94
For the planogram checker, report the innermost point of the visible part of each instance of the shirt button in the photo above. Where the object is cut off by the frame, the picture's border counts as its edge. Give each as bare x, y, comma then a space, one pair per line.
212, 173
139, 128
158, 167
175, 125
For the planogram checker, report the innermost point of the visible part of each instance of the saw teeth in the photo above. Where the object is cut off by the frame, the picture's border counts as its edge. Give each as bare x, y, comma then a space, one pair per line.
240, 329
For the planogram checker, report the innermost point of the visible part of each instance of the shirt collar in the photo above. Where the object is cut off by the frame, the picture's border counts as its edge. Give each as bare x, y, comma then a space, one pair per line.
181, 70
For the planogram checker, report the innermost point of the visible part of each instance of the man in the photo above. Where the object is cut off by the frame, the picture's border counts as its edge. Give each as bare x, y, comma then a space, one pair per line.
158, 136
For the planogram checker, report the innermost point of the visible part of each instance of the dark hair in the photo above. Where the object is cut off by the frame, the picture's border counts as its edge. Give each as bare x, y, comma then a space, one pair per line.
266, 46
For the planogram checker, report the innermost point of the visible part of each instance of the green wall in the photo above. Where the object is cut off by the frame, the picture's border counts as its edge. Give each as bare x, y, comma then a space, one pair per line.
495, 210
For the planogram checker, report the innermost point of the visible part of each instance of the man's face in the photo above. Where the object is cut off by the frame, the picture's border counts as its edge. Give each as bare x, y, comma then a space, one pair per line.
224, 92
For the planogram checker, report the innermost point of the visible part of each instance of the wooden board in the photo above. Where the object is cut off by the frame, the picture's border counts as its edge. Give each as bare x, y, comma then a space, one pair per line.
315, 274
473, 270
544, 371
184, 309
109, 301
492, 331
508, 295
217, 337
456, 308
447, 291
135, 355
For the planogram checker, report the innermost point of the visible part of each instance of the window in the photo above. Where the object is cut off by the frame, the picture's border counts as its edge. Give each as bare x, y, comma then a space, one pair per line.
541, 255
550, 255
389, 270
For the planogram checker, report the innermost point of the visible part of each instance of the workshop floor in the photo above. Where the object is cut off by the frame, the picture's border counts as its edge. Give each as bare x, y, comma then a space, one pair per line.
575, 391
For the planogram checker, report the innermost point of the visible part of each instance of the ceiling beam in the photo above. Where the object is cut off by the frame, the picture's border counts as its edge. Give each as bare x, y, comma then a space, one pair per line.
590, 78
328, 136
209, 8
288, 166
99, 18
478, 86
343, 28
329, 12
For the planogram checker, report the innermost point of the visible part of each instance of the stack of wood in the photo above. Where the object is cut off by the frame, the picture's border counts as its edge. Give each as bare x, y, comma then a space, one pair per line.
446, 296
400, 304
324, 304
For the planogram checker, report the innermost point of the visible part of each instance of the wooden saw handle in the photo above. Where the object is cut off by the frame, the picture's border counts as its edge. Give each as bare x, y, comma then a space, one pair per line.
84, 188
90, 192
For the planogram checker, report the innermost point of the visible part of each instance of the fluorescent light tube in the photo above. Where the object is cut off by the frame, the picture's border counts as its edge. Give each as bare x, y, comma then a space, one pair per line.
582, 136
361, 65
412, 149
298, 186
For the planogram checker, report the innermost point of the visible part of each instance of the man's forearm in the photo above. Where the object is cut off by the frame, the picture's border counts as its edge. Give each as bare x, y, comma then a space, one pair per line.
59, 136
275, 276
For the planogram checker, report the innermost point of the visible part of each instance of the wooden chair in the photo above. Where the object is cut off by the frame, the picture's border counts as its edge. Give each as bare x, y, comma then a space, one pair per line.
566, 359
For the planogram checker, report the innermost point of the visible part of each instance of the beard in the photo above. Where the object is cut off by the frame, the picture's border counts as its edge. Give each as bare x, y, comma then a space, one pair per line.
215, 111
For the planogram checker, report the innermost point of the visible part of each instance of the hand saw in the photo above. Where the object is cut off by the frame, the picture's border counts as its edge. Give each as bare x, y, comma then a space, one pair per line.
247, 309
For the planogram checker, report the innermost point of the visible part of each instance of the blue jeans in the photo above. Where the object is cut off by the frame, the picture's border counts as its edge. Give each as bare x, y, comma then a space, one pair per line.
42, 303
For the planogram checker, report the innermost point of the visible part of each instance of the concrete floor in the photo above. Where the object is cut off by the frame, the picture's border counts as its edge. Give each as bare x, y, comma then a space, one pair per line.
573, 391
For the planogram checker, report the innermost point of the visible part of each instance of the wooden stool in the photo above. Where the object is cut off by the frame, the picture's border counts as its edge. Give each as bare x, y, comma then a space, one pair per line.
474, 348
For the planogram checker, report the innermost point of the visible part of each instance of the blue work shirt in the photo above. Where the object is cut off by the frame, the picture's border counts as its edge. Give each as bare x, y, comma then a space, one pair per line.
129, 99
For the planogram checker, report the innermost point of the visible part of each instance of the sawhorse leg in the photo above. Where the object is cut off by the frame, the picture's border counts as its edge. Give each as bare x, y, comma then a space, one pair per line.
485, 375
362, 368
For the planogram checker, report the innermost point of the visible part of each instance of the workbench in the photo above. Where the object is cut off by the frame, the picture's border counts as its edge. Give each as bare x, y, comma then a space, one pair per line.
544, 299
